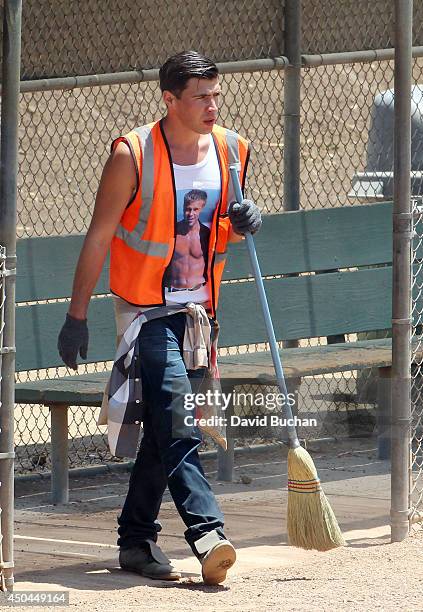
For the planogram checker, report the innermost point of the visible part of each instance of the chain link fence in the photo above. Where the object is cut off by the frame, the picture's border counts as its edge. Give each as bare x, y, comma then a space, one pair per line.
66, 130
338, 107
347, 154
71, 38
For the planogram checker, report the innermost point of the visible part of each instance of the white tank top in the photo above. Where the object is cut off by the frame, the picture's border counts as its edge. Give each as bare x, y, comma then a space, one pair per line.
197, 195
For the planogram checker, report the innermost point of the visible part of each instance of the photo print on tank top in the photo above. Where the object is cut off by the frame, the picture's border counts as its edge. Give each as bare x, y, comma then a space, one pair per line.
197, 195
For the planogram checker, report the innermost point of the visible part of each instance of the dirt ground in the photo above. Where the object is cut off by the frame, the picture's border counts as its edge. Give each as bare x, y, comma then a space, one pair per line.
73, 547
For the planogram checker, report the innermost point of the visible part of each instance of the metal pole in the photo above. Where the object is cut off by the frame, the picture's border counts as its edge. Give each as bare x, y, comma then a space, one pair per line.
292, 105
8, 187
292, 113
354, 57
144, 76
59, 454
401, 283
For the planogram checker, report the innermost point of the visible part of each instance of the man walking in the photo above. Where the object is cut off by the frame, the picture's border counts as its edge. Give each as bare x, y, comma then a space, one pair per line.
146, 177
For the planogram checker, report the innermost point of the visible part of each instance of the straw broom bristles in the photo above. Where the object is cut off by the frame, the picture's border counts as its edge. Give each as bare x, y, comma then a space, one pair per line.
311, 521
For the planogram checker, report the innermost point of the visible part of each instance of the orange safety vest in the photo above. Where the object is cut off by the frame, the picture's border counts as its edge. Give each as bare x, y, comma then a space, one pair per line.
144, 242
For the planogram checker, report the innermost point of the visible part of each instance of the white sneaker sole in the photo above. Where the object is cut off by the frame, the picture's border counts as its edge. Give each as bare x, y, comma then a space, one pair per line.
217, 562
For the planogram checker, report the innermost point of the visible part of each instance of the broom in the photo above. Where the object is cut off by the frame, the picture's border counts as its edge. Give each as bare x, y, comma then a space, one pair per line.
311, 521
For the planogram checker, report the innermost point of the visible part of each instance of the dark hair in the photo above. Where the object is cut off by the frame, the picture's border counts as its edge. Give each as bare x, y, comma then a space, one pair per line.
194, 195
178, 69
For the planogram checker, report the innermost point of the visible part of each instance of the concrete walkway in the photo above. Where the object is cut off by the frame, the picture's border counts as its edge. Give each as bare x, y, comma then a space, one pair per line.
74, 546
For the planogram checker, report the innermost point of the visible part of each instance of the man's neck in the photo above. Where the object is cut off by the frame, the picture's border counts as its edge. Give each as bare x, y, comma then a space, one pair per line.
179, 137
189, 229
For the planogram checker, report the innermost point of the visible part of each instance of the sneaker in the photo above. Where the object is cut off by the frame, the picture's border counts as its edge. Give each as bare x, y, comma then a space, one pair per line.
216, 562
149, 561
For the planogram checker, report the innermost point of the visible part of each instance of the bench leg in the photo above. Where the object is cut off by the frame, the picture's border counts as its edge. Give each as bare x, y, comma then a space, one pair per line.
225, 458
384, 413
59, 454
225, 462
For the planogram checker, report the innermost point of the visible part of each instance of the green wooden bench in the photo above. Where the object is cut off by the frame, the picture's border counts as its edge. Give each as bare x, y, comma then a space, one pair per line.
357, 241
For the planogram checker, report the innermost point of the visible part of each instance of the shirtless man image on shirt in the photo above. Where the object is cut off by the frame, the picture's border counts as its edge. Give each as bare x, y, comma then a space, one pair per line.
188, 267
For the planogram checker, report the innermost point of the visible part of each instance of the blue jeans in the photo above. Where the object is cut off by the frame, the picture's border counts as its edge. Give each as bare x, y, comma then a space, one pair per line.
162, 458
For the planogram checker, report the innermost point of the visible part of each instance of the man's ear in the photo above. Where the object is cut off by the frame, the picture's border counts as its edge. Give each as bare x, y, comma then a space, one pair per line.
168, 98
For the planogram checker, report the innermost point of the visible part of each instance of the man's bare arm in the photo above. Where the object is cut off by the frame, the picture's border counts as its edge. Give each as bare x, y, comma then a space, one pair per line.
117, 185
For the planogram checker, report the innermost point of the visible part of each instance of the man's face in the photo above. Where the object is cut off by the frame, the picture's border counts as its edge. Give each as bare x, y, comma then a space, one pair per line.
197, 106
192, 211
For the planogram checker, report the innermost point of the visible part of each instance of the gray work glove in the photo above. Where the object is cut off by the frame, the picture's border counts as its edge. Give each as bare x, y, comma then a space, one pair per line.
73, 337
245, 217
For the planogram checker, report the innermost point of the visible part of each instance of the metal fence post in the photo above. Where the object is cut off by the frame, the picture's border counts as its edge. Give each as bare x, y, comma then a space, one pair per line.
8, 189
401, 283
292, 106
292, 113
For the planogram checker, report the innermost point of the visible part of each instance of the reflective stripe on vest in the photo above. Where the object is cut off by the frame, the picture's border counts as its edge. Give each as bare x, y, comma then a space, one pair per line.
233, 158
134, 239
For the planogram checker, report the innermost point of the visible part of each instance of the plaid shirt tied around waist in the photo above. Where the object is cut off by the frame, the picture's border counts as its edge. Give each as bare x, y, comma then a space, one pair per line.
123, 395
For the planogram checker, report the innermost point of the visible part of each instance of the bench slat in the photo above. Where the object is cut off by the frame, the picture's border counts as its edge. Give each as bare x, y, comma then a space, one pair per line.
321, 239
82, 390
299, 241
46, 266
38, 326
303, 307
87, 389
308, 306
312, 360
